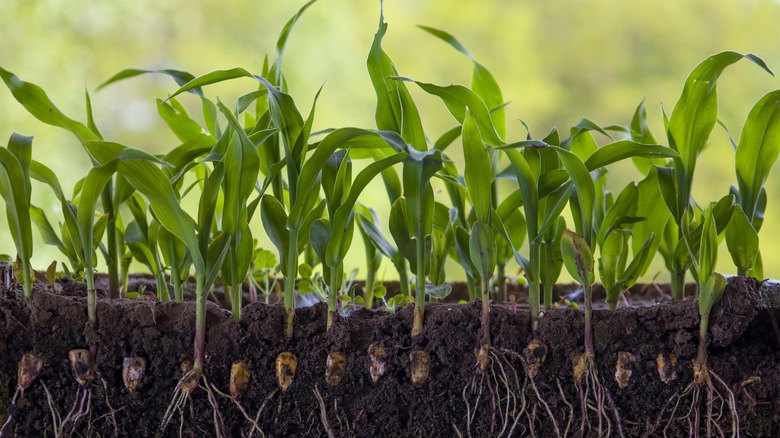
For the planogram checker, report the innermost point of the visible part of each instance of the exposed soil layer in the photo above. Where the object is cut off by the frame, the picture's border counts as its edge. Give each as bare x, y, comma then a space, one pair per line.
743, 352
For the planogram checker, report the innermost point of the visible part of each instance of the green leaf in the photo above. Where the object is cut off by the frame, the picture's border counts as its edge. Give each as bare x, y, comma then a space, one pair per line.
695, 114
380, 291
151, 182
395, 109
96, 180
264, 259
175, 116
667, 184
457, 99
528, 189
622, 149
369, 223
48, 234
478, 173
758, 149
708, 249
343, 219
242, 166
281, 42
482, 81
463, 251
625, 205
319, 236
239, 259
401, 233
482, 248
275, 224
742, 240
585, 189
650, 207
212, 78
577, 257
305, 270
438, 291
340, 138
15, 190
614, 250
551, 257
37, 103
181, 77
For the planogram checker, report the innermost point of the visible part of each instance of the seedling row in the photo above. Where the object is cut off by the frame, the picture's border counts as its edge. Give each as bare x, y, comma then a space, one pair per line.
541, 202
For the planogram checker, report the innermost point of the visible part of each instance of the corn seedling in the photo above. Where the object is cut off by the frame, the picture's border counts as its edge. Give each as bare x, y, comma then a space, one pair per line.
331, 238
15, 161
703, 251
262, 156
263, 272
756, 153
687, 130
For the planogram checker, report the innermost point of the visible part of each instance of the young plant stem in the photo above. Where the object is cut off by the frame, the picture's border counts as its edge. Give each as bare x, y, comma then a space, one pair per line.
533, 286
743, 272
200, 326
548, 287
178, 290
27, 281
112, 261
419, 294
162, 286
548, 296
289, 284
589, 350
472, 288
236, 295
333, 290
91, 298
678, 285
228, 291
486, 315
701, 357
368, 290
403, 280
533, 303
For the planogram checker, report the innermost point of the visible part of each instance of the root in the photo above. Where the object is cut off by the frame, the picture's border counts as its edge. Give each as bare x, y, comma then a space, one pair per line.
323, 413
596, 398
10, 415
219, 426
111, 411
539, 399
507, 397
241, 409
571, 407
82, 407
260, 411
56, 420
179, 401
177, 404
719, 405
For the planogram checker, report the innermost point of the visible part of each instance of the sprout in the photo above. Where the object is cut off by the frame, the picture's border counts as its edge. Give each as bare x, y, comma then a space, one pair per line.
15, 189
687, 130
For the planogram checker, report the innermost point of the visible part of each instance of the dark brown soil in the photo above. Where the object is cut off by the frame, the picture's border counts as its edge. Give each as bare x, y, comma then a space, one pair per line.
743, 346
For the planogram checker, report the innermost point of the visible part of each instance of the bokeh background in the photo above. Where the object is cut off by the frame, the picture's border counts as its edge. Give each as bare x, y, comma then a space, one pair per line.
556, 60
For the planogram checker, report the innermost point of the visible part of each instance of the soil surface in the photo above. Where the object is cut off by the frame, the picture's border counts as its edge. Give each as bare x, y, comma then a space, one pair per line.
457, 400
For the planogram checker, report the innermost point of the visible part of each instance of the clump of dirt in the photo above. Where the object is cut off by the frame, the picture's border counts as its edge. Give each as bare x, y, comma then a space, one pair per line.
455, 400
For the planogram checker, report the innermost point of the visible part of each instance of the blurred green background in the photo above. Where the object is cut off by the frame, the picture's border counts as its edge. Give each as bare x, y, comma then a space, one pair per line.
557, 61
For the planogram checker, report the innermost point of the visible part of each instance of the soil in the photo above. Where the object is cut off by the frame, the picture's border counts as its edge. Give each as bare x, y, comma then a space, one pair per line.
744, 352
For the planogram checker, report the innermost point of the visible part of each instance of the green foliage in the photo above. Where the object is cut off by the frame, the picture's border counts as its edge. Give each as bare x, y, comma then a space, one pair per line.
15, 189
265, 154
578, 258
